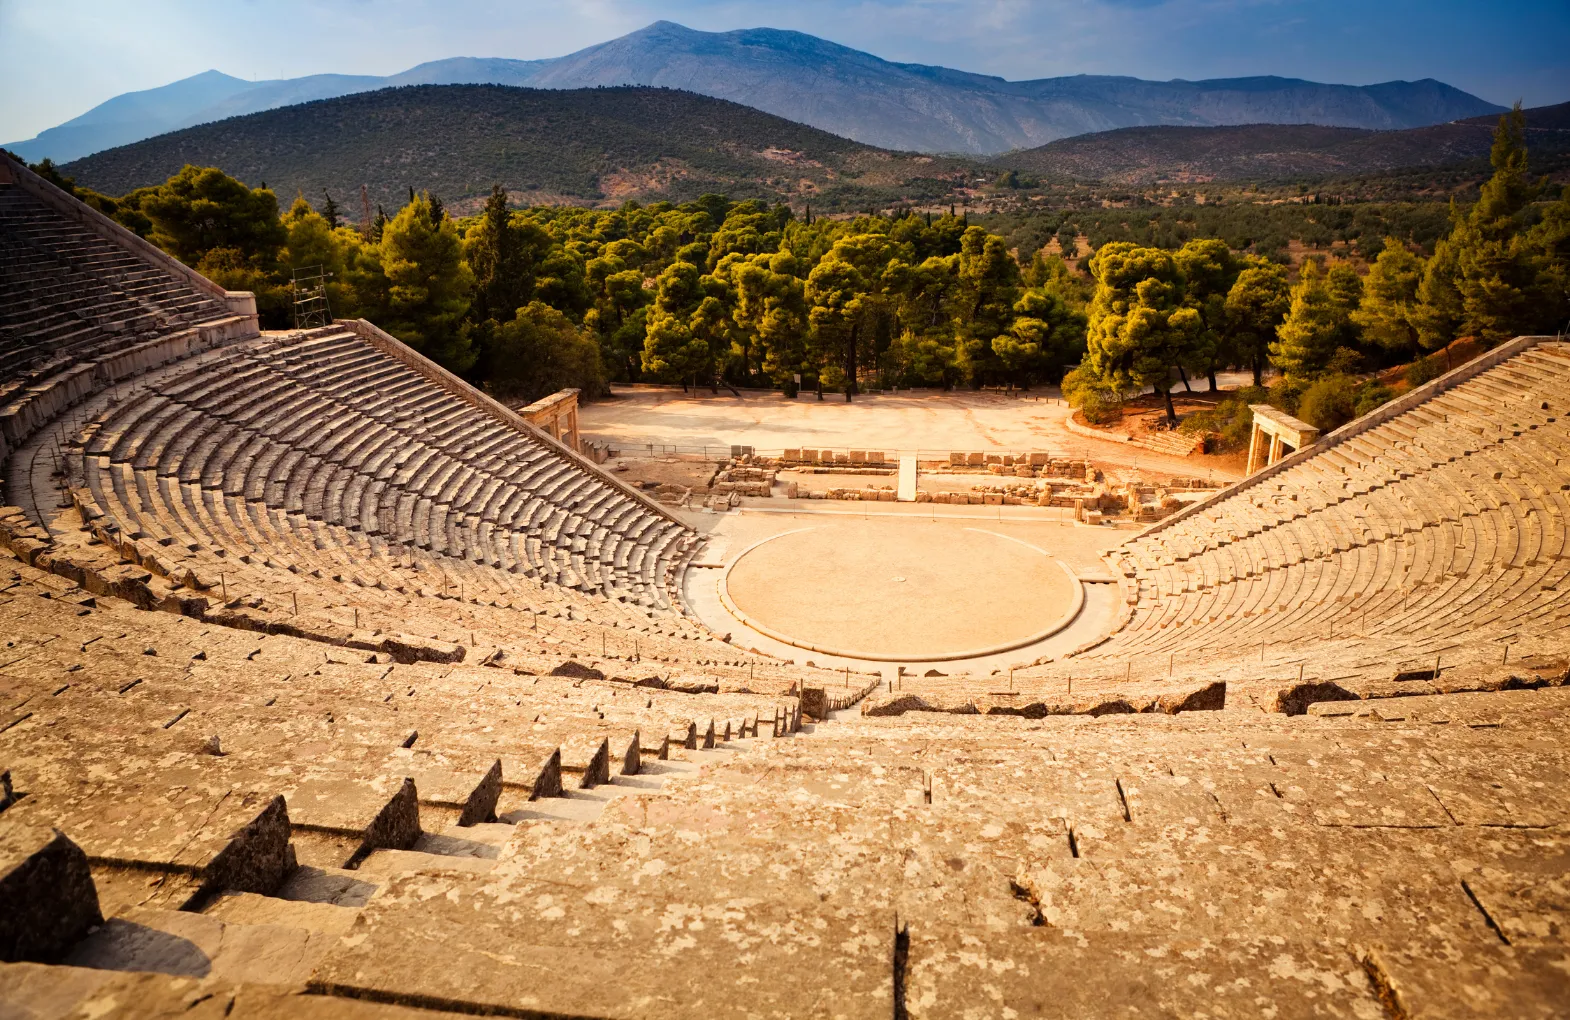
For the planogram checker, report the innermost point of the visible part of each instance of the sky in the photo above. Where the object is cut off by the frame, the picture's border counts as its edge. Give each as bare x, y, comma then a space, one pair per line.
58, 60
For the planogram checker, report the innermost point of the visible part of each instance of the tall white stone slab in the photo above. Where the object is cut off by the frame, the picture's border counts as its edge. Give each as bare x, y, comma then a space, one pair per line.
907, 478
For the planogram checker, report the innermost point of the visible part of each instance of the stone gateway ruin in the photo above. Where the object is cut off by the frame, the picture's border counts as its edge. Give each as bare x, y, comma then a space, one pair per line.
333, 688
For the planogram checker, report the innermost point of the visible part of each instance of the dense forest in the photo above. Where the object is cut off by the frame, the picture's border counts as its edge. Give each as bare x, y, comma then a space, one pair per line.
1256, 228
714, 292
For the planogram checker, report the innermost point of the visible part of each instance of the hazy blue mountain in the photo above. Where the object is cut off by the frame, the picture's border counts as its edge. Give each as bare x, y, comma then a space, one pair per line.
911, 107
131, 117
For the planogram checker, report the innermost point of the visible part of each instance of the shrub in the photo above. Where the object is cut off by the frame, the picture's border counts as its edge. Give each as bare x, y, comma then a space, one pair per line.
1329, 403
1345, 361
1371, 395
1285, 393
1230, 420
1101, 404
1424, 369
1101, 407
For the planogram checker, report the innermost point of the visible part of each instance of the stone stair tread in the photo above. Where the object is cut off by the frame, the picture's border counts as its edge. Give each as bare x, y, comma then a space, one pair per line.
253, 908
383, 864
196, 945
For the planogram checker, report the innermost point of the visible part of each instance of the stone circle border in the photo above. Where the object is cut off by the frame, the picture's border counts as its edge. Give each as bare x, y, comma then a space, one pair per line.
1076, 605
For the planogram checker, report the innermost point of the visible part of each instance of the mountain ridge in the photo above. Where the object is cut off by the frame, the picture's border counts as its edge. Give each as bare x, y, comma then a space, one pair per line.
1139, 156
899, 106
550, 146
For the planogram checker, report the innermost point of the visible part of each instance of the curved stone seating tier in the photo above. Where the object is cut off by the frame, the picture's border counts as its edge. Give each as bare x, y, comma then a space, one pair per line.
68, 295
177, 721
81, 311
441, 479
1439, 533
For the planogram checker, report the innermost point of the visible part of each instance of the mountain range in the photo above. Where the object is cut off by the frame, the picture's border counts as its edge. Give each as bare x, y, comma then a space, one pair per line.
905, 107
545, 146
1276, 152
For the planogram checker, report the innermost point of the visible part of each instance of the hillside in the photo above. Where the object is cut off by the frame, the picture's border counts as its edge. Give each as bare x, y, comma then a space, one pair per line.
548, 146
1266, 152
908, 107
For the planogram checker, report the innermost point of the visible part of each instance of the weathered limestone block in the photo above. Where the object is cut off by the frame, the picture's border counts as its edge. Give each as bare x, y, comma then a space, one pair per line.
1294, 700
231, 839
1522, 981
530, 762
47, 896
60, 991
466, 786
578, 671
1168, 975
1208, 698
1527, 675
895, 704
186, 942
655, 937
900, 702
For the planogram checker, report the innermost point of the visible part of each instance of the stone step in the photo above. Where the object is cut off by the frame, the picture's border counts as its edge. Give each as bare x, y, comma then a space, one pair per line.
198, 945
251, 908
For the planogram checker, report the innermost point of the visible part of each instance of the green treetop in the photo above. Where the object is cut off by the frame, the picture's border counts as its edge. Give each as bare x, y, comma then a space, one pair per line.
428, 284
1140, 329
1315, 325
1386, 313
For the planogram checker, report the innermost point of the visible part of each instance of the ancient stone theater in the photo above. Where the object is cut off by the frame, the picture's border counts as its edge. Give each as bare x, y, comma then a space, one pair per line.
334, 688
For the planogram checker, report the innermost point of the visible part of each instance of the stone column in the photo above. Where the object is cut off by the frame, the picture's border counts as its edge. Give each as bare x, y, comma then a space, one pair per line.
1253, 448
1275, 450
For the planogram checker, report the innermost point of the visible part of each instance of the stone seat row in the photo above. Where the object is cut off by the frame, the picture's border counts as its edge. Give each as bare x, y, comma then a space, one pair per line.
1504, 404
344, 588
214, 726
605, 528
1297, 603
67, 290
1015, 853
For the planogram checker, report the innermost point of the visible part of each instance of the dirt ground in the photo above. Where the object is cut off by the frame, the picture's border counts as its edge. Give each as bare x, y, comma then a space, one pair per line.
917, 588
1147, 414
928, 423
694, 474
969, 601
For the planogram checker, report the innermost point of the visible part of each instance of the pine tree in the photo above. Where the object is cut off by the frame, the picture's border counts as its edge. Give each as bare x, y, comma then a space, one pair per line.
1386, 313
330, 211
1308, 337
1484, 279
1255, 306
506, 254
428, 285
1497, 271
1140, 329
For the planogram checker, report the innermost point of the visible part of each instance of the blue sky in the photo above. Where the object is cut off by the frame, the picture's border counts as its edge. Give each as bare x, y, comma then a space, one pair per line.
57, 60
